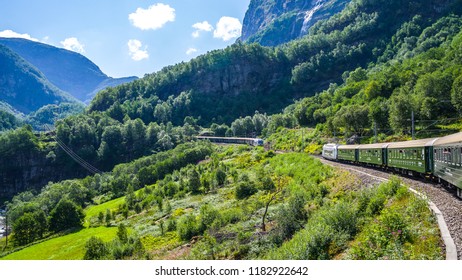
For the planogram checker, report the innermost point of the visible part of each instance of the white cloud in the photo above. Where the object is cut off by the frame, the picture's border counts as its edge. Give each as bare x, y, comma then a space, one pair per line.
228, 28
152, 18
201, 26
73, 44
11, 34
190, 51
135, 50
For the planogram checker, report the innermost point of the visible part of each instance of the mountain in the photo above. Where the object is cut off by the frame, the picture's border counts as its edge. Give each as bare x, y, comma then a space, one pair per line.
273, 22
24, 87
235, 82
162, 109
69, 71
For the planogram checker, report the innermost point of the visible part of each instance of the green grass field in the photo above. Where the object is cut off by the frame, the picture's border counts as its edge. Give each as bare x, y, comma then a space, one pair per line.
68, 247
94, 210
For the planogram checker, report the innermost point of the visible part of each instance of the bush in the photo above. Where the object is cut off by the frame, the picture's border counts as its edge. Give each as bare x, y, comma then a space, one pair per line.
391, 187
187, 227
385, 237
95, 249
232, 216
245, 190
66, 215
342, 218
122, 233
310, 244
376, 204
290, 218
208, 217
171, 225
26, 229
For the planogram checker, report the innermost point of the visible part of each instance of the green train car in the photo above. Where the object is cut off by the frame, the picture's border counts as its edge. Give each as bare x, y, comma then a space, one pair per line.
373, 154
447, 160
413, 156
347, 153
439, 158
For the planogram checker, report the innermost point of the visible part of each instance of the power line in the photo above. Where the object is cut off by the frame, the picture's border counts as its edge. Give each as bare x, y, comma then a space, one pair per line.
71, 153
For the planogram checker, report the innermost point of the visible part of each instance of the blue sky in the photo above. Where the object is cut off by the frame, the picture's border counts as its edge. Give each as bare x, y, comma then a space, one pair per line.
127, 37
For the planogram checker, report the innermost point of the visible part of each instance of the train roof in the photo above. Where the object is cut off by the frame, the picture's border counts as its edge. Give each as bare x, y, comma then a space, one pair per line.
330, 145
230, 138
412, 143
348, 147
374, 146
450, 139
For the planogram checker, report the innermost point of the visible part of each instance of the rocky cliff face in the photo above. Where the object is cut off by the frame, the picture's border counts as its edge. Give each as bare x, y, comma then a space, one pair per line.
274, 22
23, 172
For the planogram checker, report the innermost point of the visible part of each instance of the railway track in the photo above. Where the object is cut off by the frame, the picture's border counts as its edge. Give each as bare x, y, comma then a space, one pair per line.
444, 202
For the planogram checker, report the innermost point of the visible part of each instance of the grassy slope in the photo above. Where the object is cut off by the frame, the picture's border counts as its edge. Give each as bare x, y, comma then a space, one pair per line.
94, 210
68, 247
300, 174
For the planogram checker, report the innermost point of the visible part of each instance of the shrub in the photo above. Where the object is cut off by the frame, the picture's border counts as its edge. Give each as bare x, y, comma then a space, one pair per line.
220, 176
290, 218
342, 218
171, 225
66, 215
26, 229
122, 233
310, 244
208, 216
245, 190
376, 204
187, 227
391, 187
95, 249
232, 216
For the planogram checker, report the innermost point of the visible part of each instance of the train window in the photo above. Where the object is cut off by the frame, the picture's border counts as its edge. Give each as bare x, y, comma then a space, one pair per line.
459, 152
459, 156
455, 155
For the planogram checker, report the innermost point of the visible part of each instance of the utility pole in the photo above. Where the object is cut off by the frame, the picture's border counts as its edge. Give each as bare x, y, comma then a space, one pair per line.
413, 126
303, 137
375, 132
6, 228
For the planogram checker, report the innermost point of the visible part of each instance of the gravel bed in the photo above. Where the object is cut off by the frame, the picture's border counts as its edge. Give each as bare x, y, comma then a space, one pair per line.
445, 199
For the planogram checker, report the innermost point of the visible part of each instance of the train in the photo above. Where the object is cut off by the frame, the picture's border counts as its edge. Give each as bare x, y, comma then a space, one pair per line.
233, 140
434, 158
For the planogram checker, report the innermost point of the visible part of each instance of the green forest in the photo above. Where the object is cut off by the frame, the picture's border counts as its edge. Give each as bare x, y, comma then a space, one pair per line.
142, 187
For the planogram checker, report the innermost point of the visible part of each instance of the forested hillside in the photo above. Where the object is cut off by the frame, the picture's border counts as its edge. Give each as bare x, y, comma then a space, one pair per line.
226, 84
420, 74
131, 160
215, 90
69, 71
24, 87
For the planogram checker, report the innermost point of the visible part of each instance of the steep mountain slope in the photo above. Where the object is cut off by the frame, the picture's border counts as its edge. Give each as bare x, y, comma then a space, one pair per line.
69, 71
271, 23
162, 109
24, 87
226, 84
